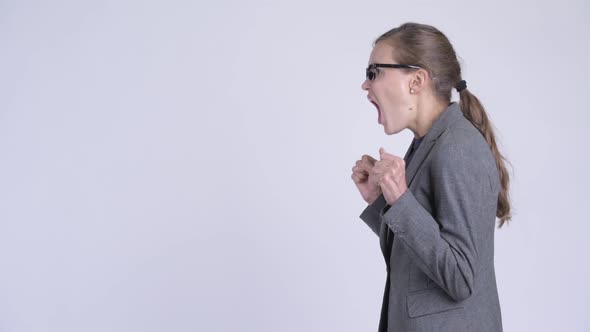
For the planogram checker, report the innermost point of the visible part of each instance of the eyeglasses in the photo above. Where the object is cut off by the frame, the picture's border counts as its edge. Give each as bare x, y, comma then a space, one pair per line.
372, 71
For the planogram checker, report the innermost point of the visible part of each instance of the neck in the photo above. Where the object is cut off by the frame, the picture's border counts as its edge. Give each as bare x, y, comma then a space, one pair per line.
426, 113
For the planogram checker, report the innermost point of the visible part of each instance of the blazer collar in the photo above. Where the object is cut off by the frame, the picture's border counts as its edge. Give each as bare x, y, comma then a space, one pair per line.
451, 114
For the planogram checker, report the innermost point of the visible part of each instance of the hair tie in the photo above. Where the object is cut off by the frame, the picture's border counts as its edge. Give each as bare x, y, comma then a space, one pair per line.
462, 85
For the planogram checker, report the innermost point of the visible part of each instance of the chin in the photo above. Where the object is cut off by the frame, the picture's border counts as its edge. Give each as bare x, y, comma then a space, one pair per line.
389, 131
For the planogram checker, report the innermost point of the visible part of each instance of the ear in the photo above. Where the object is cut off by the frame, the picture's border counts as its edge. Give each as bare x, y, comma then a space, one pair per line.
419, 80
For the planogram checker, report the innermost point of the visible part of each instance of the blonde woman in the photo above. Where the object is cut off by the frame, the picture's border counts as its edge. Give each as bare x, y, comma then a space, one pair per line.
434, 210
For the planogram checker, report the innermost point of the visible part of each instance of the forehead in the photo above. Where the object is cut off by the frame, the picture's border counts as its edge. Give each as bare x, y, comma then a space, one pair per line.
381, 53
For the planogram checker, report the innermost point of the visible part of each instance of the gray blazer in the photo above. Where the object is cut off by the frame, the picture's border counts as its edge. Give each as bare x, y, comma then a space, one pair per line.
438, 237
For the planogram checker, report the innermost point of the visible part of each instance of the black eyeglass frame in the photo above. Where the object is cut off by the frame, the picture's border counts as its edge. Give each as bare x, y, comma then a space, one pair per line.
370, 75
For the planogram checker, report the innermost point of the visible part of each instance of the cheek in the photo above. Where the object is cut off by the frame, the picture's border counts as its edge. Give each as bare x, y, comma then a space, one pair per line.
394, 92
396, 111
394, 101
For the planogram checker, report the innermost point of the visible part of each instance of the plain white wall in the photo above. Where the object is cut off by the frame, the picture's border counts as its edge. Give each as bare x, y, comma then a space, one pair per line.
185, 165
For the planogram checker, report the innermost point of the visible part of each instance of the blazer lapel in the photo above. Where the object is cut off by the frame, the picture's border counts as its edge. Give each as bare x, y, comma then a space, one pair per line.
444, 120
417, 160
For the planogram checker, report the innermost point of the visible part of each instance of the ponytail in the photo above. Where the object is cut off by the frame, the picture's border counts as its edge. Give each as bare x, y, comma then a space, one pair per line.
474, 111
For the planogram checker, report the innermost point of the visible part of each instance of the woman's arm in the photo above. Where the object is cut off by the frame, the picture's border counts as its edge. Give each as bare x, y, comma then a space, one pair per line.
371, 214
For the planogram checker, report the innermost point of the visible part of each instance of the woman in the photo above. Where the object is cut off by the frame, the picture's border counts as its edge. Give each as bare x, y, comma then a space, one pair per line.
435, 219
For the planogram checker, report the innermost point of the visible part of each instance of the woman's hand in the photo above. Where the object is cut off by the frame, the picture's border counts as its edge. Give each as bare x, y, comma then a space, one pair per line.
364, 181
390, 173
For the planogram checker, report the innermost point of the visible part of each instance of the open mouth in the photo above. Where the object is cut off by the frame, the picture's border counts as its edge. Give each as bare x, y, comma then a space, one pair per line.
378, 111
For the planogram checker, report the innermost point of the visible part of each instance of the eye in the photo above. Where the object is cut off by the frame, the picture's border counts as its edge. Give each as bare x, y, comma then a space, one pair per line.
374, 73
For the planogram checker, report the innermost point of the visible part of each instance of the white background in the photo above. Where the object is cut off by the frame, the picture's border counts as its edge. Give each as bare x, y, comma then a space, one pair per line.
185, 166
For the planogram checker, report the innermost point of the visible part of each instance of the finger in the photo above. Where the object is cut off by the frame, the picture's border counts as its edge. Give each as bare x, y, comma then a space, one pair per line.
401, 164
368, 162
360, 166
377, 169
382, 164
359, 170
362, 176
386, 166
383, 154
357, 178
368, 159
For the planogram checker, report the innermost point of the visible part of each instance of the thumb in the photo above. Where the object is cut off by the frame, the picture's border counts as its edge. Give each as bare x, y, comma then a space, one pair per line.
385, 155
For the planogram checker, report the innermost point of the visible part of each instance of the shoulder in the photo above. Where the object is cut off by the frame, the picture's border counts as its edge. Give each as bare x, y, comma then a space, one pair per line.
462, 138
462, 148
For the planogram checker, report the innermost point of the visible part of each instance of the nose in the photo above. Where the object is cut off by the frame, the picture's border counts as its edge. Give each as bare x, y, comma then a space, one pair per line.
365, 85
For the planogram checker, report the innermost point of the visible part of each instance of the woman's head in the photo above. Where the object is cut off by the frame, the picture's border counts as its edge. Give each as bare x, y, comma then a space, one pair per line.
403, 95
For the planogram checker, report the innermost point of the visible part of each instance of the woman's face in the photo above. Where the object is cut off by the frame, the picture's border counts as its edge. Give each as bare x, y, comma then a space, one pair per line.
389, 91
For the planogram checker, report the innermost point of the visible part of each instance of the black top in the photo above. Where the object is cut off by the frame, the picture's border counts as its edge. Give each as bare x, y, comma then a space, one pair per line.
415, 144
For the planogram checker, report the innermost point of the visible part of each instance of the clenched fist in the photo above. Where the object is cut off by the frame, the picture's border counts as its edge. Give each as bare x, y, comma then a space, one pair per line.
390, 174
365, 182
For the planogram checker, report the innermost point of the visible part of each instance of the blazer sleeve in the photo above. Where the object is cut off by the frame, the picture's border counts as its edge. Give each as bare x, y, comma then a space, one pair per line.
371, 214
444, 246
